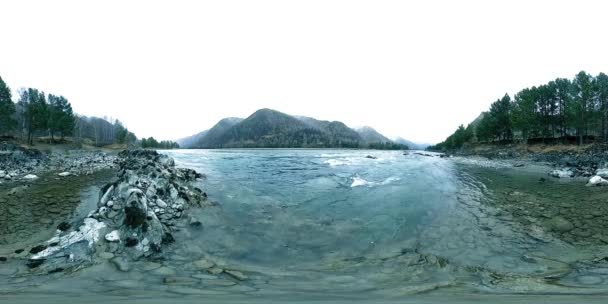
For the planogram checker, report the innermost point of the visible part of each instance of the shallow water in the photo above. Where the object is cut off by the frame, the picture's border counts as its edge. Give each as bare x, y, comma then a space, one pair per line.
334, 224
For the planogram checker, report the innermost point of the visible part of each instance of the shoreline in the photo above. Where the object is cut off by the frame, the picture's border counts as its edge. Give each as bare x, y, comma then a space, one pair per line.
122, 258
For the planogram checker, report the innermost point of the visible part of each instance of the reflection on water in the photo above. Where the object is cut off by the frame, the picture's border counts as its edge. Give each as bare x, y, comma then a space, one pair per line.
325, 224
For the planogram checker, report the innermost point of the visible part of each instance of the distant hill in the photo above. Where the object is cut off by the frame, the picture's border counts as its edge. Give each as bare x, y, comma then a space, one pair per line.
369, 135
191, 140
268, 128
412, 145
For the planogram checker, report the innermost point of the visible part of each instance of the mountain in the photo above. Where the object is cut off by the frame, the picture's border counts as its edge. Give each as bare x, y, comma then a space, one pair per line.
412, 145
191, 141
268, 128
209, 136
336, 130
369, 135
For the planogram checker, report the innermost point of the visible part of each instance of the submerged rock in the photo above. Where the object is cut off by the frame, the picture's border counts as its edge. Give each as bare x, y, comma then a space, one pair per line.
236, 274
121, 264
559, 224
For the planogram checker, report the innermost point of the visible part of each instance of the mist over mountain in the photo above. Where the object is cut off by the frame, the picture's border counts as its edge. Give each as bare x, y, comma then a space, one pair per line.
268, 128
412, 145
369, 135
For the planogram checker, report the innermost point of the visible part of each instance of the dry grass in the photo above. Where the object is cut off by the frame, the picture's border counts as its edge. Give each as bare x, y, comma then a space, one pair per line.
540, 148
524, 148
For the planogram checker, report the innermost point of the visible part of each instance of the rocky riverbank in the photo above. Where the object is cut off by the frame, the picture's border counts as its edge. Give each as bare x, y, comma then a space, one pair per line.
134, 218
19, 163
564, 161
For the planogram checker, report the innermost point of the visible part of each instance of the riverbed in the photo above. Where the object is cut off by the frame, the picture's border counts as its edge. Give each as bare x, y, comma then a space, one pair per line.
366, 225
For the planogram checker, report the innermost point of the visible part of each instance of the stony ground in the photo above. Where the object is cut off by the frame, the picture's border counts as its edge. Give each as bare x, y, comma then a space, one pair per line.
568, 209
29, 208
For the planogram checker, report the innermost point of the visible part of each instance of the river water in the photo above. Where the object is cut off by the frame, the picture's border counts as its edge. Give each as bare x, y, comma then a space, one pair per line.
350, 224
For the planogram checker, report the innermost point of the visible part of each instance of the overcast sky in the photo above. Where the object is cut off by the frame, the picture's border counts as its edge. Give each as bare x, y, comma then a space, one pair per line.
415, 69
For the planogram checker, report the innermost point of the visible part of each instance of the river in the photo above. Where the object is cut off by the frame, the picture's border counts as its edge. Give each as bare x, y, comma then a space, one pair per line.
356, 224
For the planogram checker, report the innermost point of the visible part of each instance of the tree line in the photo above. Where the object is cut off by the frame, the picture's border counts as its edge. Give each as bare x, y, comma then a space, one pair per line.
151, 142
38, 114
563, 110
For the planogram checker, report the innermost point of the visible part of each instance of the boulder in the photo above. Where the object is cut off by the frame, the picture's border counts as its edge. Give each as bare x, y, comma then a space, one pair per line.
121, 264
597, 181
603, 172
562, 173
559, 224
113, 236
128, 209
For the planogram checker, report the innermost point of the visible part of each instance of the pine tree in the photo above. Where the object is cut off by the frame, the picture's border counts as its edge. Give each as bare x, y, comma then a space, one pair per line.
524, 112
601, 89
7, 109
582, 104
36, 112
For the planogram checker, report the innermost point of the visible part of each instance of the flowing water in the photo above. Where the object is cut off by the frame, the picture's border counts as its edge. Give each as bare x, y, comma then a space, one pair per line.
352, 224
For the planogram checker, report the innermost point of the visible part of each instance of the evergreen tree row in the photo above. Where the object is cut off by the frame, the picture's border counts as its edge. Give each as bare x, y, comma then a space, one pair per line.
563, 110
154, 144
38, 114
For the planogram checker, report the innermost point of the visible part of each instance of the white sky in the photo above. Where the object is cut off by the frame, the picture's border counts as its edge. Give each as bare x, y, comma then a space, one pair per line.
415, 69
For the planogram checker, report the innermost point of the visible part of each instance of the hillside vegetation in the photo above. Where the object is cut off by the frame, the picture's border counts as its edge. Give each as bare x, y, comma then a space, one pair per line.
561, 111
268, 128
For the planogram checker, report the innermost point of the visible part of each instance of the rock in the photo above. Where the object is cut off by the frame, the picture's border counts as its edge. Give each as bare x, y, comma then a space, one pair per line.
113, 236
121, 264
178, 280
13, 211
164, 271
64, 174
215, 270
560, 224
194, 222
125, 208
106, 255
106, 196
34, 263
160, 203
37, 249
204, 276
64, 226
148, 266
603, 172
131, 242
562, 173
219, 282
30, 177
203, 264
597, 181
236, 274
589, 280
370, 157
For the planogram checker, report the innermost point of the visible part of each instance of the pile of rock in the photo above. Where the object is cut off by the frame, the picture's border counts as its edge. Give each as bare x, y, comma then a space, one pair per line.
22, 163
81, 162
18, 161
135, 214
